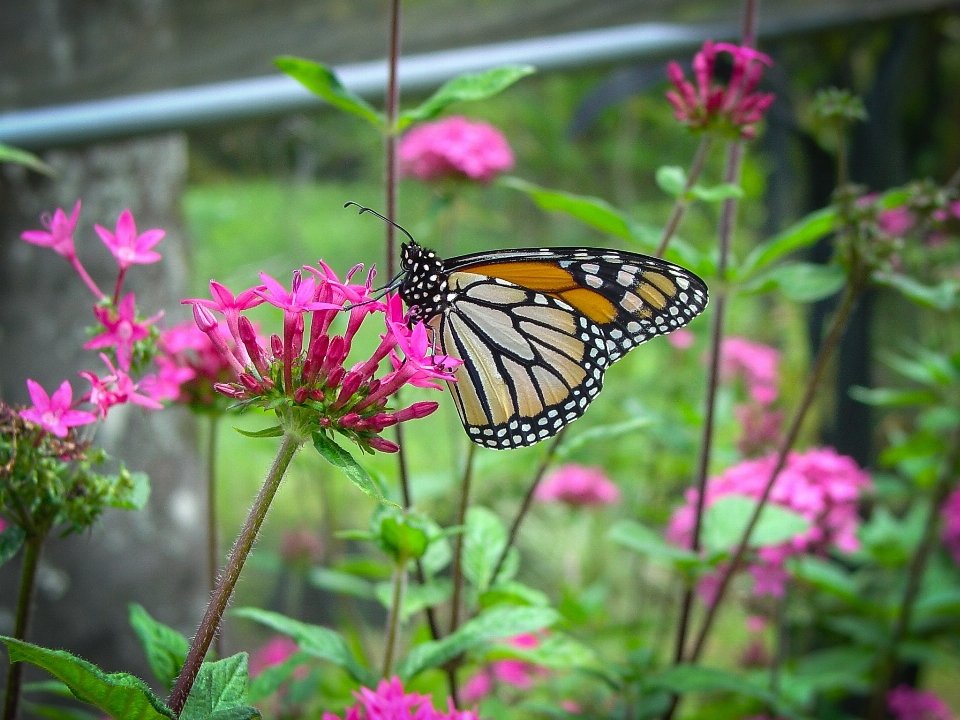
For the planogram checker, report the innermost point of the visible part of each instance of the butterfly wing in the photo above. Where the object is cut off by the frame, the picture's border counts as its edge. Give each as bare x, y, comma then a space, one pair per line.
536, 329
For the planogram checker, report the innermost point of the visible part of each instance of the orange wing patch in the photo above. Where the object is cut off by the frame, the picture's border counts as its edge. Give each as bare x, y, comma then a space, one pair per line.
592, 304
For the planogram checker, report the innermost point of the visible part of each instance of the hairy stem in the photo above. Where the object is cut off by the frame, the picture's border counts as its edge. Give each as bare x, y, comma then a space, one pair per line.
393, 619
683, 202
228, 579
213, 550
28, 580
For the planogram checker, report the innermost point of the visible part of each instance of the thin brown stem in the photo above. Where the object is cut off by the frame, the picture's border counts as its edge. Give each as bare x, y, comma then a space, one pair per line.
32, 549
228, 579
391, 108
213, 549
918, 565
393, 619
683, 201
527, 501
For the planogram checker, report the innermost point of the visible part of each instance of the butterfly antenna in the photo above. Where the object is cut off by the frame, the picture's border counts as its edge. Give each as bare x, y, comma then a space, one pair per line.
364, 209
379, 292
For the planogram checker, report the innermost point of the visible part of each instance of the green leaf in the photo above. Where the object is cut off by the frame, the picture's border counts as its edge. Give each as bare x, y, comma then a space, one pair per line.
650, 543
716, 193
593, 211
682, 679
341, 582
119, 695
483, 543
220, 692
315, 640
417, 597
53, 712
671, 179
557, 651
136, 496
10, 541
495, 624
601, 432
27, 159
725, 520
336, 455
275, 431
938, 297
321, 81
801, 234
926, 367
889, 397
842, 668
801, 281
465, 88
272, 678
165, 648
827, 577
512, 592
402, 539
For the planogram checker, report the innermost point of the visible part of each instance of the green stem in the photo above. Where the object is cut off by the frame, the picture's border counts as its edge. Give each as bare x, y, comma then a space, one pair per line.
228, 579
918, 565
393, 619
28, 577
683, 201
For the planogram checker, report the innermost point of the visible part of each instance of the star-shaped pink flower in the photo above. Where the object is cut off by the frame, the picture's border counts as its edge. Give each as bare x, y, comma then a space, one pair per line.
54, 414
122, 329
128, 247
59, 237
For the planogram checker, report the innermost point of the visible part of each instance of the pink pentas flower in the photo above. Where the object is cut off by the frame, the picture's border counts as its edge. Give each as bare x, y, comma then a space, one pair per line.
760, 427
275, 651
951, 524
121, 329
59, 234
682, 339
819, 484
127, 246
165, 384
733, 108
896, 222
511, 671
55, 413
907, 703
391, 702
756, 363
578, 486
454, 148
115, 388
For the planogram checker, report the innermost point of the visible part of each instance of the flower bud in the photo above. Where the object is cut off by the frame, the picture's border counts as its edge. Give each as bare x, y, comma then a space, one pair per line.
300, 394
230, 390
382, 445
349, 420
204, 318
351, 383
248, 336
276, 346
336, 375
251, 383
417, 410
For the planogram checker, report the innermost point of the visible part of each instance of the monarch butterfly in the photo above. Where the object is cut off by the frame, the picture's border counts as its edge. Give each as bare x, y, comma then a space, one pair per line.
537, 328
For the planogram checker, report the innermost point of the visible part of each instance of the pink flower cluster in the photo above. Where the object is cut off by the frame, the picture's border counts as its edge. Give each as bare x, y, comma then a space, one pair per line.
275, 651
899, 221
819, 484
390, 702
454, 148
189, 366
126, 338
302, 373
517, 673
907, 703
758, 365
951, 524
578, 486
734, 108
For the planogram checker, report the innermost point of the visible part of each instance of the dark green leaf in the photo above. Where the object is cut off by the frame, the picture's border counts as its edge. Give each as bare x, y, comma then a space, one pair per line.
336, 455
315, 640
53, 712
799, 235
682, 679
512, 592
136, 496
483, 542
402, 539
650, 543
275, 431
938, 297
165, 648
119, 695
321, 81
716, 193
557, 651
926, 368
602, 432
726, 520
272, 678
495, 624
465, 88
826, 577
10, 541
840, 668
49, 686
593, 211
220, 692
889, 397
801, 281
416, 597
671, 179
341, 582
942, 601
27, 159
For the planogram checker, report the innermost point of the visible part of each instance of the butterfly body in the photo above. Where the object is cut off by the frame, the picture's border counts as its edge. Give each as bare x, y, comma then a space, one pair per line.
537, 328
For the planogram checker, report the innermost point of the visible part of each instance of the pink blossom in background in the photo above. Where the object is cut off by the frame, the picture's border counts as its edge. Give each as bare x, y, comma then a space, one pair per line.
578, 486
54, 413
732, 108
761, 428
3, 524
895, 222
390, 702
301, 547
951, 524
116, 388
59, 234
456, 148
756, 363
275, 651
517, 673
196, 365
682, 339
907, 703
819, 484
571, 706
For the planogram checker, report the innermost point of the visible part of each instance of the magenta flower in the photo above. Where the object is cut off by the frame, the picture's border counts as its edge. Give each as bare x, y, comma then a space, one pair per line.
59, 235
682, 339
733, 109
761, 428
54, 414
190, 364
275, 651
4, 524
819, 484
128, 247
454, 148
896, 222
391, 702
165, 384
907, 703
516, 673
756, 363
122, 329
578, 486
951, 524
115, 388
